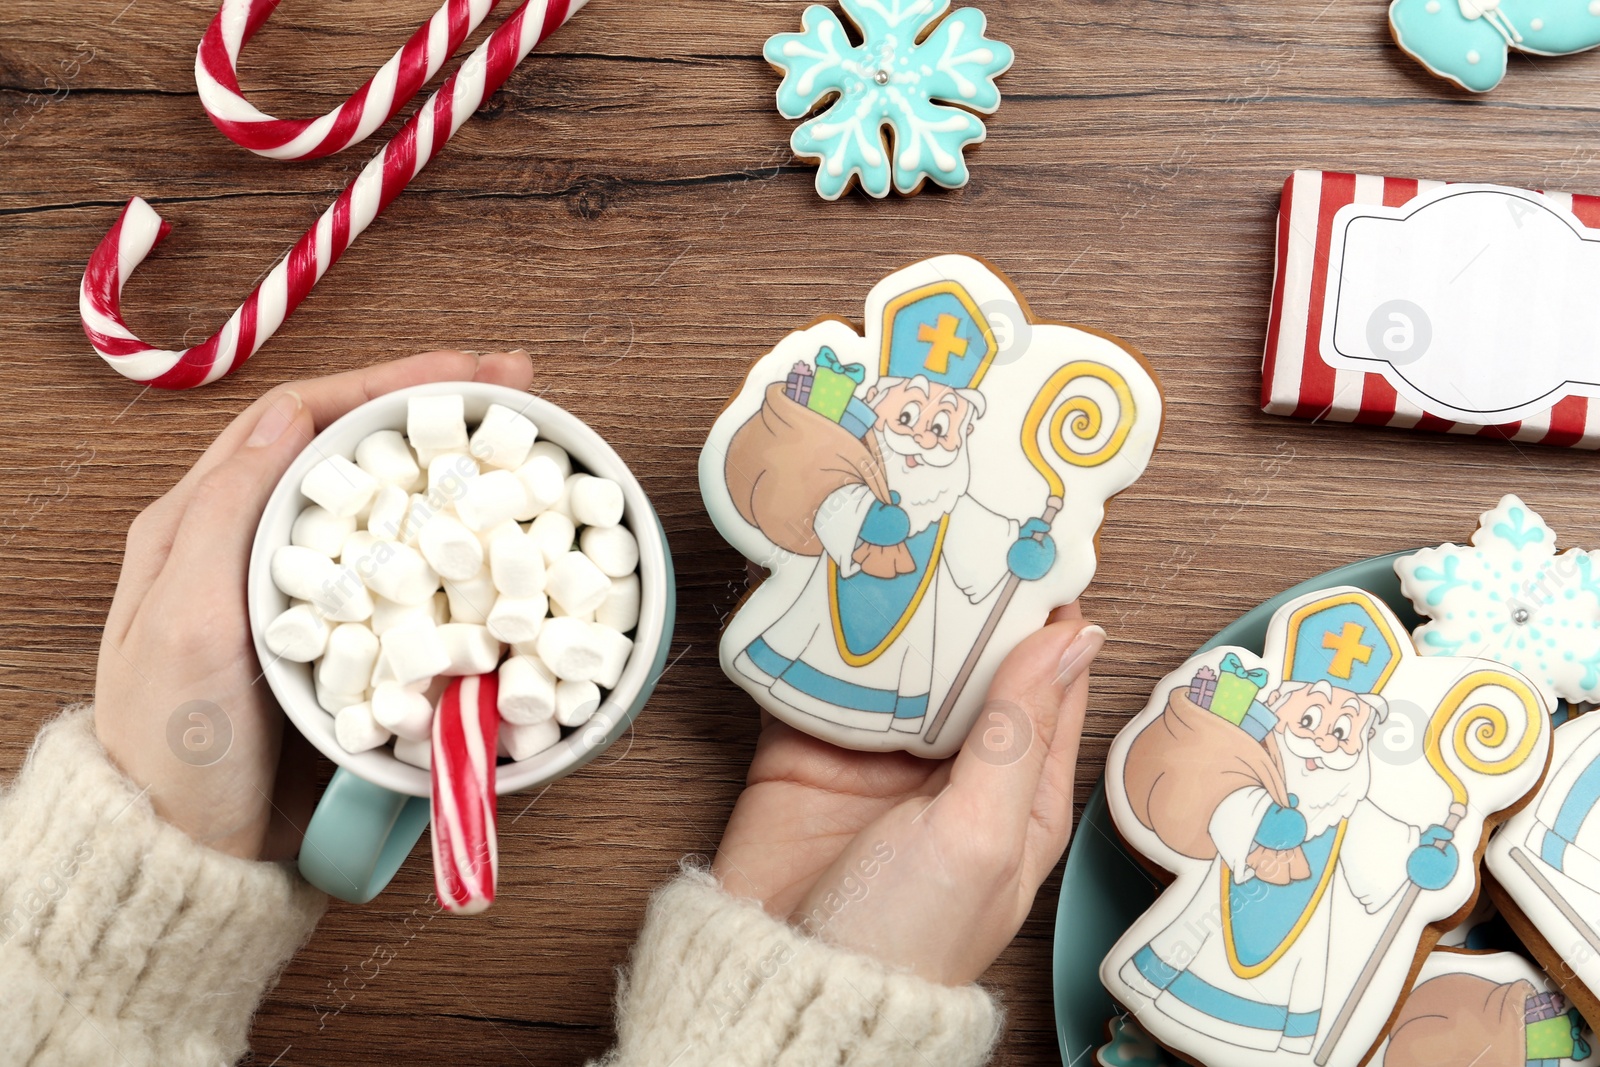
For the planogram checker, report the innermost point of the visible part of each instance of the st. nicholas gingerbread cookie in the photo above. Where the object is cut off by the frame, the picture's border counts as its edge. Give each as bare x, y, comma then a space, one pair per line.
1314, 862
923, 495
1546, 865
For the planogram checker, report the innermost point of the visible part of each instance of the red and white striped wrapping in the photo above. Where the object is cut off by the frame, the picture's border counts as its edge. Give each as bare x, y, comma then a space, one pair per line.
216, 74
1296, 380
466, 729
139, 229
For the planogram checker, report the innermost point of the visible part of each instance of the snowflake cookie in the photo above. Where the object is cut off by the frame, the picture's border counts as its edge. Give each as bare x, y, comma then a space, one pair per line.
903, 75
1511, 598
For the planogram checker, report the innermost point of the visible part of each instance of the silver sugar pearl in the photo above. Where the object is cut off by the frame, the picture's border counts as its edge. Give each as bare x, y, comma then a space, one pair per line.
882, 77
1520, 616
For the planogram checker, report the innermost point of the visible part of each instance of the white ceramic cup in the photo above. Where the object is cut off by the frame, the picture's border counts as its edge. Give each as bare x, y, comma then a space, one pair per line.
376, 807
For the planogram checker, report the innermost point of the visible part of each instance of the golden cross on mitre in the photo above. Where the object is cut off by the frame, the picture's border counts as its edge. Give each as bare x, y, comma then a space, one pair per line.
1347, 649
945, 343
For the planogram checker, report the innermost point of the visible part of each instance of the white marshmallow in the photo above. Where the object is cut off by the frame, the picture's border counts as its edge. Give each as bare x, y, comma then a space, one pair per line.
386, 614
418, 512
381, 672
543, 481
491, 499
398, 572
346, 664
448, 478
339, 486
554, 453
415, 651
562, 505
416, 753
516, 564
576, 702
356, 549
518, 618
559, 612
576, 583
611, 548
452, 550
403, 712
527, 648
333, 702
554, 533
486, 537
522, 742
570, 649
471, 600
321, 531
437, 423
473, 649
614, 651
503, 438
388, 515
299, 635
336, 591
386, 456
356, 730
527, 691
620, 609
595, 501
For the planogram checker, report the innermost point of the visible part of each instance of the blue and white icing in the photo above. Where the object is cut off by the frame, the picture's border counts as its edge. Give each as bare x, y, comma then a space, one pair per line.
1469, 41
1511, 598
927, 88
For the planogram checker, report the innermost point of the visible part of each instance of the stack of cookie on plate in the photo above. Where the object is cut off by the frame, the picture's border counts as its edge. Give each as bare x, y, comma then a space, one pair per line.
1326, 817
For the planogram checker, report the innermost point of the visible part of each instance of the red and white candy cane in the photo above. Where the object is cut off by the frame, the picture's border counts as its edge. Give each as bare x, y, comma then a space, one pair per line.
139, 228
466, 730
216, 73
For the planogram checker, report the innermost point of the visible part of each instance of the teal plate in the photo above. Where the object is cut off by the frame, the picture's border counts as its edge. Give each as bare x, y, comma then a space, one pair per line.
1104, 889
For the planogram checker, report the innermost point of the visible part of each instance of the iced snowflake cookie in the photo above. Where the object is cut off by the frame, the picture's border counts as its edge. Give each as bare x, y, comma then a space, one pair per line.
1485, 1009
1469, 41
1546, 866
1509, 597
1313, 864
923, 496
926, 80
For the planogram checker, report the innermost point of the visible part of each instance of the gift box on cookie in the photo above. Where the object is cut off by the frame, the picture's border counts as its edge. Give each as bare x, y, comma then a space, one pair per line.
1427, 305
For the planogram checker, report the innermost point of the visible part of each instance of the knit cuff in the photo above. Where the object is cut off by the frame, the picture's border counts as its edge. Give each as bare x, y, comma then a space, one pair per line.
716, 980
121, 939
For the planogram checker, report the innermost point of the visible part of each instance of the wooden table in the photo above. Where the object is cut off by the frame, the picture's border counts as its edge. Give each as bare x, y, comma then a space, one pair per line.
628, 210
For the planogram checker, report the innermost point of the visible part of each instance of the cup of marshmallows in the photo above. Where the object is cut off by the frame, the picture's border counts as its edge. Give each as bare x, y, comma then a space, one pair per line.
452, 530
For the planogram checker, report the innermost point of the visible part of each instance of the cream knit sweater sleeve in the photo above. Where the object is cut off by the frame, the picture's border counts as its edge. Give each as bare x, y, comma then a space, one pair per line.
122, 941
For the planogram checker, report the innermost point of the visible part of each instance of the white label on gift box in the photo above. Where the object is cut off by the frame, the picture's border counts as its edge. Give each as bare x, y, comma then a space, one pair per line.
1476, 302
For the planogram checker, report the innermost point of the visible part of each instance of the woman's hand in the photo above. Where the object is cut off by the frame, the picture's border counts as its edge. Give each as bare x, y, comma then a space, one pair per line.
929, 866
180, 703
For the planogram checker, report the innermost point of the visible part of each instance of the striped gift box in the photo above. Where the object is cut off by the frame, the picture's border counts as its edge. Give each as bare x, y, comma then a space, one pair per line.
1296, 380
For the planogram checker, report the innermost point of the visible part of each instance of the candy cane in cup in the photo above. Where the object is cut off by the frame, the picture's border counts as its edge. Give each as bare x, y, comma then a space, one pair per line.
465, 849
139, 228
216, 74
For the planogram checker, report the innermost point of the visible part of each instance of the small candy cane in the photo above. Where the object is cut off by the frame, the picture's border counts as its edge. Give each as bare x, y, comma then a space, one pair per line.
139, 228
216, 73
466, 729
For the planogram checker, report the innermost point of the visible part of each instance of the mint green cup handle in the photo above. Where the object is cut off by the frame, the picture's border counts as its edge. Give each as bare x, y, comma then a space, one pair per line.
359, 836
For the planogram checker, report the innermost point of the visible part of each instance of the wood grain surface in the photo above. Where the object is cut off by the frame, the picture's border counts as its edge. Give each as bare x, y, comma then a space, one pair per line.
628, 210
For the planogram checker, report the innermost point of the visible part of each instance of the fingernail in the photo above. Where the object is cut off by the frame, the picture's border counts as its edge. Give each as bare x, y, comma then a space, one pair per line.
1079, 654
517, 352
279, 416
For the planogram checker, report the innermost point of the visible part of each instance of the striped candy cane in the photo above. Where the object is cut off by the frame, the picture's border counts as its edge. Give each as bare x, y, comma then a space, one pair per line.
139, 228
466, 729
216, 73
